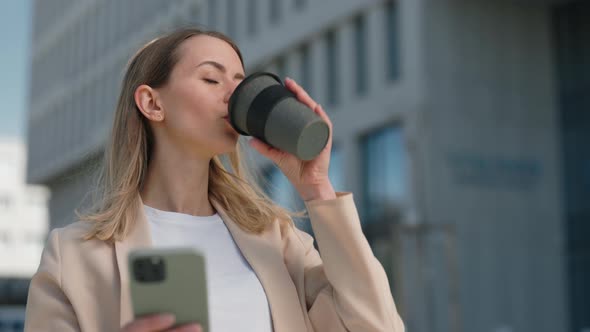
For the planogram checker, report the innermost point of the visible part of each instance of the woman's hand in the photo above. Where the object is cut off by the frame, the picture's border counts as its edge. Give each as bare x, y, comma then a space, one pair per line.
310, 178
162, 322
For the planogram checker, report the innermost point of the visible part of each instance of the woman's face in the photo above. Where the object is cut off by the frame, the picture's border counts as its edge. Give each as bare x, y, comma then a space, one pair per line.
195, 99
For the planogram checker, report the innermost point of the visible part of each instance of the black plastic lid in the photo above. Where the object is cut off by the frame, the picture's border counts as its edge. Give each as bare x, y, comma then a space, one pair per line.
232, 98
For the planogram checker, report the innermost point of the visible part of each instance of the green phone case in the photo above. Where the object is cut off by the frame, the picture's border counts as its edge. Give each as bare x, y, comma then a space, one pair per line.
170, 280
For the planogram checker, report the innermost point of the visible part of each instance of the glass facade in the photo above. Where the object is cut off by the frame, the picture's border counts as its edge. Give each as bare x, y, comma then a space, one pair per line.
384, 173
360, 50
252, 17
278, 187
332, 64
336, 171
231, 18
212, 14
306, 69
572, 33
281, 64
300, 4
275, 11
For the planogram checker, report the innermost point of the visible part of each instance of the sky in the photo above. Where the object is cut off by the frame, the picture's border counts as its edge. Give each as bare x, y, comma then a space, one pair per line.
15, 28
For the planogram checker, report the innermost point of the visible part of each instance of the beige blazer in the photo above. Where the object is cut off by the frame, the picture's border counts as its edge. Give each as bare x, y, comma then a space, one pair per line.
83, 285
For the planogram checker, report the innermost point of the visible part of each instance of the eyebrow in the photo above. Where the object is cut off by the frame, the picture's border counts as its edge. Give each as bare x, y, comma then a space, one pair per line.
220, 67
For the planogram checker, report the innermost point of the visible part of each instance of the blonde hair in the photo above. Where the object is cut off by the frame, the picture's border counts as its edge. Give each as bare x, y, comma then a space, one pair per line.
127, 154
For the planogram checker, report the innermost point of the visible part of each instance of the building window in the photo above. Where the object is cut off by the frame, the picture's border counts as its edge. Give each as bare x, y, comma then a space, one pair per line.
252, 17
212, 13
4, 237
89, 110
384, 173
278, 187
18, 325
5, 202
332, 64
115, 24
195, 14
572, 32
300, 4
275, 11
231, 18
33, 238
360, 52
392, 42
100, 31
306, 70
336, 171
281, 67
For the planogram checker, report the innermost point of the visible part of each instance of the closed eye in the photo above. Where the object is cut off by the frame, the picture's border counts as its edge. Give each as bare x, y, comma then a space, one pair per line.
210, 81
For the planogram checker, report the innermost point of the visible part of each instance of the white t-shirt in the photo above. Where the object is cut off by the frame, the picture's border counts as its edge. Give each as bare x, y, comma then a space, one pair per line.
237, 301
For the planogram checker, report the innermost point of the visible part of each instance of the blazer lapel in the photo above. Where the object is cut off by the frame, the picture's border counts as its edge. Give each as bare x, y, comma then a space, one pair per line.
138, 237
264, 253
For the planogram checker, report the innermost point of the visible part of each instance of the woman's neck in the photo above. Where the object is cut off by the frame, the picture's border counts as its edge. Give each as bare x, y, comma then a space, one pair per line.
178, 183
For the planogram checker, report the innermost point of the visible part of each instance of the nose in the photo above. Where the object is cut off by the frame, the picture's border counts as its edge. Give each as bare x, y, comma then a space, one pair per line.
231, 87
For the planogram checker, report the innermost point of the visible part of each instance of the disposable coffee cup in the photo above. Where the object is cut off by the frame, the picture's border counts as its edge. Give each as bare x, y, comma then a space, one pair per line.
261, 106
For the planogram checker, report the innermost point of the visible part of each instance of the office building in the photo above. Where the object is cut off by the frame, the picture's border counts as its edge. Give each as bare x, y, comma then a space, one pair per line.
24, 220
460, 126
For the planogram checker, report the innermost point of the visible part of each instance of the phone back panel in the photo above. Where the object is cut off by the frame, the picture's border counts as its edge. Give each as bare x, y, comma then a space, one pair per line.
181, 289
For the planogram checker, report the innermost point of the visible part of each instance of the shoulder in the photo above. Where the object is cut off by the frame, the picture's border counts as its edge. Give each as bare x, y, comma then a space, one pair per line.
74, 234
72, 231
68, 244
67, 255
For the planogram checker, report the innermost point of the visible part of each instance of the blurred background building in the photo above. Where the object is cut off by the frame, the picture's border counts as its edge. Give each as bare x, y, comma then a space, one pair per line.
461, 126
24, 221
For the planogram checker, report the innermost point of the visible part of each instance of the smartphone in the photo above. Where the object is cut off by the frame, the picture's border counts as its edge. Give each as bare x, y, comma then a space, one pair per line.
169, 280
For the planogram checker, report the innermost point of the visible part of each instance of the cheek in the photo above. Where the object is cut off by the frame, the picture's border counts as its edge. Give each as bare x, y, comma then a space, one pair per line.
189, 104
193, 113
192, 117
185, 96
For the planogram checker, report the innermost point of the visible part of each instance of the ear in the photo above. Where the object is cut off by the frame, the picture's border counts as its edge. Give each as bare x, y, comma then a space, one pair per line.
147, 101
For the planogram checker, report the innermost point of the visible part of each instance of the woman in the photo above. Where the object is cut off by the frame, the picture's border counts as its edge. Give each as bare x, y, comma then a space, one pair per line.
163, 180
